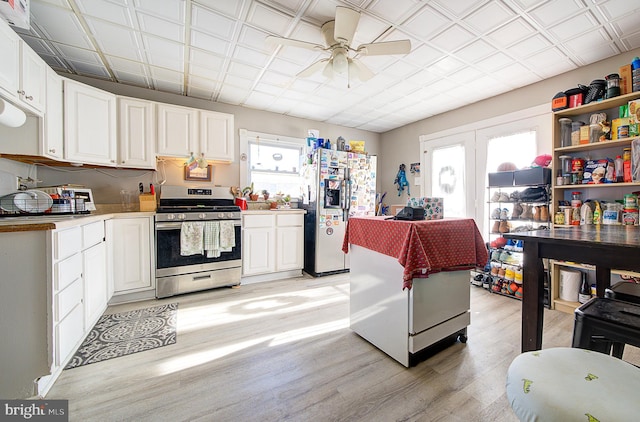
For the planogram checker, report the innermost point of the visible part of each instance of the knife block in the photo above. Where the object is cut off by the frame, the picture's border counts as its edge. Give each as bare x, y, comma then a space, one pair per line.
147, 201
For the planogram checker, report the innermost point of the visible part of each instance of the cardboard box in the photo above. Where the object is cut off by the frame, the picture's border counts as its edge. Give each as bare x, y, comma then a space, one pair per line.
532, 176
634, 111
395, 209
501, 178
147, 201
635, 160
584, 134
598, 171
626, 78
433, 207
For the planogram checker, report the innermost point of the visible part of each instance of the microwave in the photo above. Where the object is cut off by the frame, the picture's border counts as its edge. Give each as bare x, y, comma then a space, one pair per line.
73, 192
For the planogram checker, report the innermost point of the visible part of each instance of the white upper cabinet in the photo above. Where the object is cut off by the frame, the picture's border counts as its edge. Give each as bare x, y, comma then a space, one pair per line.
10, 62
22, 71
184, 130
33, 76
177, 130
90, 124
52, 134
216, 136
136, 133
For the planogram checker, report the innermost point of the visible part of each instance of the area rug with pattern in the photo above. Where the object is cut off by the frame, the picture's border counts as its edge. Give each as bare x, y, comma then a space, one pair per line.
129, 332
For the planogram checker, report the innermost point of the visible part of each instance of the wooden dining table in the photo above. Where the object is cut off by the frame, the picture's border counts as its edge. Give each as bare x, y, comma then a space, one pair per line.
604, 246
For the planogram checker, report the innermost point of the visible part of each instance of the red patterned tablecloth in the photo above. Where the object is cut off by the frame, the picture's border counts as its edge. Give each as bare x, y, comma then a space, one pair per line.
421, 247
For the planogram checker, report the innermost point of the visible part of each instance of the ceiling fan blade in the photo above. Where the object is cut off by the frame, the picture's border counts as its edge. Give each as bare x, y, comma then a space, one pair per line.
388, 47
327, 72
358, 69
294, 43
345, 24
312, 69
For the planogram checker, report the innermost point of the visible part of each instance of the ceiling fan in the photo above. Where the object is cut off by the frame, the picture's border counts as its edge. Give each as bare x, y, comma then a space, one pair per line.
338, 35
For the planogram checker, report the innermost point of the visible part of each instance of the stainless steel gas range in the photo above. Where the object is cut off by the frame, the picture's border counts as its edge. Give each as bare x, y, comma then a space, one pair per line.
198, 240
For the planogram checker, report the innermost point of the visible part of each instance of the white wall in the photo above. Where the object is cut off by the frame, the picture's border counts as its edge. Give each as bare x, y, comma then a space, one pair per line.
402, 145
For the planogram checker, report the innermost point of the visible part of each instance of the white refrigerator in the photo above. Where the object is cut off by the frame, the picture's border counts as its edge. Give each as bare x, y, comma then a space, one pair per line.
338, 185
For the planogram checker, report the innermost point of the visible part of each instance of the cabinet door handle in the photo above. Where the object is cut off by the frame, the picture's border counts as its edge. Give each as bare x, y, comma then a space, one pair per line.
52, 150
21, 92
29, 97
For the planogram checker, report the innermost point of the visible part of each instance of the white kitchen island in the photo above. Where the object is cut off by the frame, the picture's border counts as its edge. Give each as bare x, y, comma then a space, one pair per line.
392, 304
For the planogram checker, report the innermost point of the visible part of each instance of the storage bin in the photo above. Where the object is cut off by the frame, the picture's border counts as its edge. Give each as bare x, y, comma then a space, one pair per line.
501, 178
532, 176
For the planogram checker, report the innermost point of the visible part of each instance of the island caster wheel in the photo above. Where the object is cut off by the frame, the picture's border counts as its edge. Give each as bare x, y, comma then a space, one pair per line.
462, 338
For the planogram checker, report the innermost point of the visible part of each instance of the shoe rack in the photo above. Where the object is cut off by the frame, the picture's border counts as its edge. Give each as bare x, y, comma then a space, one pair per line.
512, 208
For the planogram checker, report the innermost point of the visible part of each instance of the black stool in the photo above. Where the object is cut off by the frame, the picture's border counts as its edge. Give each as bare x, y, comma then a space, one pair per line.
628, 292
603, 321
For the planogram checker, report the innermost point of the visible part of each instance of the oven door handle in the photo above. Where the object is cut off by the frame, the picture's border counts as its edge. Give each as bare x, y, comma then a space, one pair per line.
178, 225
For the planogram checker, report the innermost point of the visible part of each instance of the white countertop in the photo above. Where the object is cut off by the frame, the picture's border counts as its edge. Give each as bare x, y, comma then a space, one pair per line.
53, 222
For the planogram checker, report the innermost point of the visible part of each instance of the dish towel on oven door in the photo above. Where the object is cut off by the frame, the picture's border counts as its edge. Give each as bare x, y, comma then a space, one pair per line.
212, 239
227, 236
191, 238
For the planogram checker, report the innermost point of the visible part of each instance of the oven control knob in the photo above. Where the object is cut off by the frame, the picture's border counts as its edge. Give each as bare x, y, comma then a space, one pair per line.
171, 217
230, 215
202, 216
181, 216
220, 215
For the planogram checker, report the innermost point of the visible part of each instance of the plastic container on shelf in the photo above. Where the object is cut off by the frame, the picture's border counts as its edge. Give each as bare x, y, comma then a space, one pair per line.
565, 132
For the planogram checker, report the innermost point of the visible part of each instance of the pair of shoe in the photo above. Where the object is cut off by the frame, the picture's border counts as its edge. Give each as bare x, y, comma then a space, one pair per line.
527, 212
495, 214
517, 211
542, 213
504, 226
504, 214
500, 197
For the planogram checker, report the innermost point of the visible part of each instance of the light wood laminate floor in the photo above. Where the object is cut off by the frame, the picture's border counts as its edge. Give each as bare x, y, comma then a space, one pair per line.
283, 351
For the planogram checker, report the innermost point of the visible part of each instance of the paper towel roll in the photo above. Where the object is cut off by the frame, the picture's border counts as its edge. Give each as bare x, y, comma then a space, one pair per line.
11, 115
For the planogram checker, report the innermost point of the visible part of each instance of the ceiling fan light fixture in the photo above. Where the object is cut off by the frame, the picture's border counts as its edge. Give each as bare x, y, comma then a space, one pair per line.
340, 63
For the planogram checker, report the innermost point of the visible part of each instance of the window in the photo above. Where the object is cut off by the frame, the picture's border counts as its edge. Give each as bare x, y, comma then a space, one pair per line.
272, 163
518, 148
448, 178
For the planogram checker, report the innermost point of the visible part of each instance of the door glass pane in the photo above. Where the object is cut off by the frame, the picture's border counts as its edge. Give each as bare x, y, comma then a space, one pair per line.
517, 148
448, 179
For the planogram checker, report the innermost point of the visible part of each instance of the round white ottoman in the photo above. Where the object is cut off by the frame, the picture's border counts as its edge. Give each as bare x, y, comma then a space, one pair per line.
570, 384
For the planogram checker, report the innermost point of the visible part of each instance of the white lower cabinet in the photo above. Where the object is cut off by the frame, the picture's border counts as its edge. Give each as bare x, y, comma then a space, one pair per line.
130, 252
79, 283
289, 242
272, 242
94, 265
258, 244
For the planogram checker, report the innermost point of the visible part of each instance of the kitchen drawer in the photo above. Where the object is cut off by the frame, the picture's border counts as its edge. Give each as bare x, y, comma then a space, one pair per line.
92, 234
67, 299
66, 271
69, 332
253, 221
289, 220
67, 242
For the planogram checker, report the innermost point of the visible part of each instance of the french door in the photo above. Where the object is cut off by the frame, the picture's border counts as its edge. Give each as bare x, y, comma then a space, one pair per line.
449, 172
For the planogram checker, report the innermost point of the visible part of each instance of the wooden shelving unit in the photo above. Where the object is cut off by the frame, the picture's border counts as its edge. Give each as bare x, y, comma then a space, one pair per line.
604, 191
